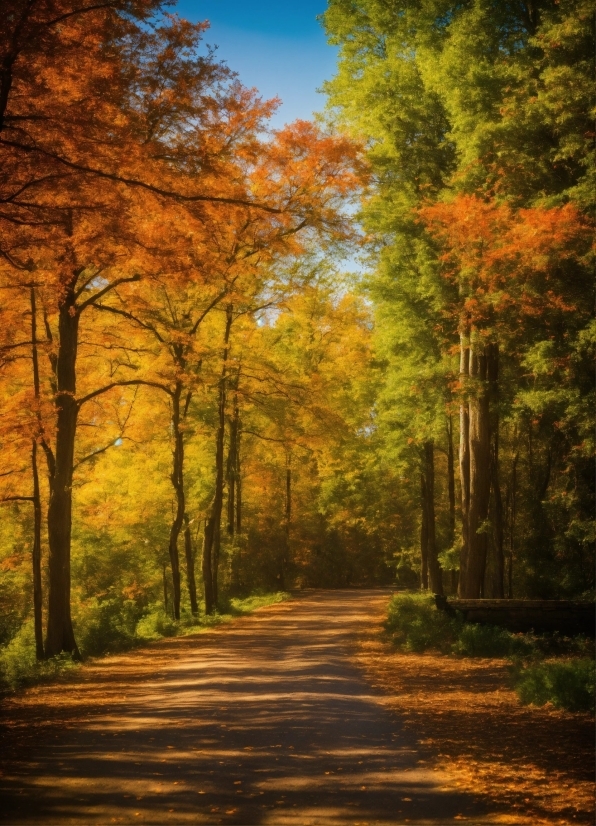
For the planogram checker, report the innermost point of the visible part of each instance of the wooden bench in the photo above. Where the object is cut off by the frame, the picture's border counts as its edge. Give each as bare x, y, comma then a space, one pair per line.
566, 616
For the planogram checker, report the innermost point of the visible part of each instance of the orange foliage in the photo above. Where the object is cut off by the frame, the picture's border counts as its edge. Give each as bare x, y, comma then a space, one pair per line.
508, 264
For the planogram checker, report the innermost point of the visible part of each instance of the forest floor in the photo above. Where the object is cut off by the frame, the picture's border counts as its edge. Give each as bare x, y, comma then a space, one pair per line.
535, 763
297, 714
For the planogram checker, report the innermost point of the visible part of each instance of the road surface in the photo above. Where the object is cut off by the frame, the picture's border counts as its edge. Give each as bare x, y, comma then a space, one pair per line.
262, 721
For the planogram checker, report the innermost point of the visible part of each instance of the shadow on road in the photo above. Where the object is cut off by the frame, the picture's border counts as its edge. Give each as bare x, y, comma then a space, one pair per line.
264, 721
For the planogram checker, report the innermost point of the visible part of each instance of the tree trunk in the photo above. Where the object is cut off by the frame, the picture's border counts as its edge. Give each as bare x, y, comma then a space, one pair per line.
285, 558
512, 516
177, 479
434, 568
499, 572
60, 635
472, 580
37, 513
211, 545
36, 556
464, 451
231, 469
451, 489
238, 483
190, 568
498, 588
165, 588
423, 536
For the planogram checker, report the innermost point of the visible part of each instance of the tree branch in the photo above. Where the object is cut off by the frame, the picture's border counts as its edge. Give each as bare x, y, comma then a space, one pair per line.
131, 317
127, 383
213, 304
141, 184
91, 301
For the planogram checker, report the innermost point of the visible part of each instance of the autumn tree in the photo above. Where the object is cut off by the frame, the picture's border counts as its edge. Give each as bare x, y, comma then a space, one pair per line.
468, 101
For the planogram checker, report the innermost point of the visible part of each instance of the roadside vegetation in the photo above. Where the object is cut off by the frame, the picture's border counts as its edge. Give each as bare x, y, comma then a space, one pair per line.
108, 627
545, 668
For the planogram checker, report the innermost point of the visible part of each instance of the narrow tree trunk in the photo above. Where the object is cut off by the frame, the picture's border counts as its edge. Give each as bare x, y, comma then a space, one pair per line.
37, 513
472, 583
212, 541
498, 532
36, 556
60, 635
285, 559
423, 535
207, 569
512, 516
238, 483
464, 452
190, 568
231, 469
451, 489
177, 479
165, 588
451, 481
434, 568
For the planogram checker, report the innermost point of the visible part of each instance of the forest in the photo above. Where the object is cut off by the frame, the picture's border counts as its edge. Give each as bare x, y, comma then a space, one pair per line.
238, 360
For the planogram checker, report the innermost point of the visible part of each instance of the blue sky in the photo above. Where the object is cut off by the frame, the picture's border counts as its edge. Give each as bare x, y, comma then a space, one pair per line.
277, 47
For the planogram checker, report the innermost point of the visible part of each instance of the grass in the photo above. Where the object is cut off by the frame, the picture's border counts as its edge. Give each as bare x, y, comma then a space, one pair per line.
565, 681
110, 626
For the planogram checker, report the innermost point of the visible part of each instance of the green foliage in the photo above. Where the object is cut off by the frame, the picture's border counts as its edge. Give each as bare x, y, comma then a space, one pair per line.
415, 624
491, 99
19, 667
490, 641
156, 624
568, 684
103, 625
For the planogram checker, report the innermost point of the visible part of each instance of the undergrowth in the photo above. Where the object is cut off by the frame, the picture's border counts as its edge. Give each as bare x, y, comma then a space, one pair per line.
109, 626
546, 668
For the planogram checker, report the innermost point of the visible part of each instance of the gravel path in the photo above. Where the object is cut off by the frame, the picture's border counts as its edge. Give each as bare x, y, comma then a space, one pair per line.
263, 721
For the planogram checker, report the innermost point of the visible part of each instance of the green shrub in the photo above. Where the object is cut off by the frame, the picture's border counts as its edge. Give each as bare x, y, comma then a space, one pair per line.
107, 624
19, 666
416, 625
568, 684
155, 624
490, 641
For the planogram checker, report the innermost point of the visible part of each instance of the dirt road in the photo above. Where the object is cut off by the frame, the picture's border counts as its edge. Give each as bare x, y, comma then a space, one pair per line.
263, 721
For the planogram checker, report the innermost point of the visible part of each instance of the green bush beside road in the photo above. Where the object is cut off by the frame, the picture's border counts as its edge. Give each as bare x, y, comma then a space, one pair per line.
546, 668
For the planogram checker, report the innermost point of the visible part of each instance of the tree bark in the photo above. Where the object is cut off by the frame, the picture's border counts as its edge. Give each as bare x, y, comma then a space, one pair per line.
165, 588
464, 451
37, 512
36, 556
211, 545
498, 587
238, 483
60, 634
285, 557
512, 519
177, 479
423, 536
231, 468
190, 568
451, 489
472, 577
434, 569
